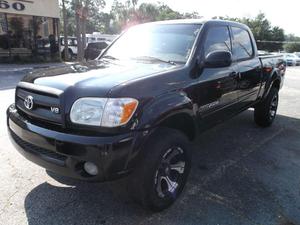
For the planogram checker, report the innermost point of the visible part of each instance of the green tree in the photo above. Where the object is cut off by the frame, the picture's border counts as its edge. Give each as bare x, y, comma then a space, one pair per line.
277, 35
100, 22
292, 47
124, 14
127, 14
166, 13
292, 37
148, 12
82, 13
121, 16
267, 37
260, 26
193, 15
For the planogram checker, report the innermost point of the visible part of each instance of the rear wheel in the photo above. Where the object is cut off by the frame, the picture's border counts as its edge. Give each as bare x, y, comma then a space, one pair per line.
265, 112
162, 175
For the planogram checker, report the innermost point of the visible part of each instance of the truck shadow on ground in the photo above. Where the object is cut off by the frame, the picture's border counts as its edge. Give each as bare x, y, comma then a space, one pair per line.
241, 174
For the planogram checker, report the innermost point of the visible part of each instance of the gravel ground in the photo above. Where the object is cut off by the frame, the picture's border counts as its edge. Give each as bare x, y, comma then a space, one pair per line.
241, 174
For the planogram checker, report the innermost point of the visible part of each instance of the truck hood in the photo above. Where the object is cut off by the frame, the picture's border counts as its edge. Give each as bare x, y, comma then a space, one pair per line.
95, 77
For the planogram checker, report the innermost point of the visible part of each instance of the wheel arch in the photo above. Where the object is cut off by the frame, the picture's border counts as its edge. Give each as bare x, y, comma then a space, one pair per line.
182, 122
274, 81
173, 111
276, 84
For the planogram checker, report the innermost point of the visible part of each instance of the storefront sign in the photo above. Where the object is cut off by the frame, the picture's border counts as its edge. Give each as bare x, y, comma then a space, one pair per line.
46, 8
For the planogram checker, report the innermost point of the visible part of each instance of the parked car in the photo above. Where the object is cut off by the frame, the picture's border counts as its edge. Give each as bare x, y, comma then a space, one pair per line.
72, 47
291, 59
137, 109
297, 54
93, 50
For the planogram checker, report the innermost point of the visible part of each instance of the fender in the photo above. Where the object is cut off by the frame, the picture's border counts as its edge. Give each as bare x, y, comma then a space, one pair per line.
270, 81
154, 113
164, 107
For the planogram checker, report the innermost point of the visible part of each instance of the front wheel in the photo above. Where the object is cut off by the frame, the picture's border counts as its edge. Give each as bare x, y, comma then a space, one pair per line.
162, 174
265, 112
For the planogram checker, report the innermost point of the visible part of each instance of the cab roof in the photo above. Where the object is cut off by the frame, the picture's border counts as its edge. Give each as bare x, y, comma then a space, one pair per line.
202, 22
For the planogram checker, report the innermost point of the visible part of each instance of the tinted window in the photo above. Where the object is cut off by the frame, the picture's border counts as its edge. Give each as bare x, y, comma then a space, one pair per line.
242, 47
73, 42
217, 39
98, 45
102, 45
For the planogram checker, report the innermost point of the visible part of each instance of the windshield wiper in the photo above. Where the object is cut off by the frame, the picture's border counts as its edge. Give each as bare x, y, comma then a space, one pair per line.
153, 59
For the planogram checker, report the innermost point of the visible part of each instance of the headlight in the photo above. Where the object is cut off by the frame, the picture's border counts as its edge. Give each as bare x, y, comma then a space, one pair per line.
103, 112
88, 111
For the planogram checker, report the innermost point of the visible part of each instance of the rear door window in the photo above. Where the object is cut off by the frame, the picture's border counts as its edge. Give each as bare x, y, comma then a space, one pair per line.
242, 45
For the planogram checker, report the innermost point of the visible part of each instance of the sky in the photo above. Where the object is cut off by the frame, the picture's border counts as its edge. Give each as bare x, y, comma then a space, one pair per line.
285, 14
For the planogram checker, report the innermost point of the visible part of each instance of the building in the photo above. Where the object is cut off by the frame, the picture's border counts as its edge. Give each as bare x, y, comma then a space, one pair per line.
29, 30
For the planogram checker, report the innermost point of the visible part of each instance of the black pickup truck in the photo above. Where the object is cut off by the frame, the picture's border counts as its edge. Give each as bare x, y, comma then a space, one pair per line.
138, 107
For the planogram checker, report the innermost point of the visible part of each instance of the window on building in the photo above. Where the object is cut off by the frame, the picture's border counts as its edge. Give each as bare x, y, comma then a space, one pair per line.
4, 44
20, 34
23, 37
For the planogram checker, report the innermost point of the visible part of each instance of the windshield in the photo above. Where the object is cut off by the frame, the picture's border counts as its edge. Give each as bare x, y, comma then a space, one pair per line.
165, 42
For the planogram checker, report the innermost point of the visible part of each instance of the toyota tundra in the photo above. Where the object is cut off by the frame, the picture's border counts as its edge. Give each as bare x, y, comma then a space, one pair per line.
136, 109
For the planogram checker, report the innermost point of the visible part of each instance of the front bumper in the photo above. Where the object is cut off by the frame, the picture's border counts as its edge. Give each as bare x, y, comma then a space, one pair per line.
65, 153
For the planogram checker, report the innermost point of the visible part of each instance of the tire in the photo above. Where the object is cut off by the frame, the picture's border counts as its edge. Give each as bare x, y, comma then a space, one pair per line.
265, 112
161, 176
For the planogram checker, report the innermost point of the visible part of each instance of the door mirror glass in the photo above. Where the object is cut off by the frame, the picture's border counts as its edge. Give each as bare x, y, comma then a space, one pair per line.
217, 59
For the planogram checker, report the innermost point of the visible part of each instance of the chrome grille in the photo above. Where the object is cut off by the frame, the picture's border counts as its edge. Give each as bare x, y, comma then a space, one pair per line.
42, 103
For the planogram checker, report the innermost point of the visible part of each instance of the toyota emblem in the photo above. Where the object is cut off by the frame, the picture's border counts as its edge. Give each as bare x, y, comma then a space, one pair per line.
28, 102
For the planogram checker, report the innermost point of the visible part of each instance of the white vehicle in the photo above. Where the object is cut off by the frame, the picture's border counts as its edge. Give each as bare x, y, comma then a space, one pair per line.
90, 38
291, 59
72, 46
297, 54
98, 37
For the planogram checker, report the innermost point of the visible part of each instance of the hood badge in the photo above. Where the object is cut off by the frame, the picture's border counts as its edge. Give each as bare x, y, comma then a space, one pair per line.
28, 102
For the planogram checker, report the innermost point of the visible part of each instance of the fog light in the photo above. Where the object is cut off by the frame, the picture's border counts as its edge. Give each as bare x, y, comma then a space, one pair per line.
90, 168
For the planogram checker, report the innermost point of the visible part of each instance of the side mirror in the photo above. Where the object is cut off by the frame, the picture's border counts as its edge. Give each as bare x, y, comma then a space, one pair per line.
217, 59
